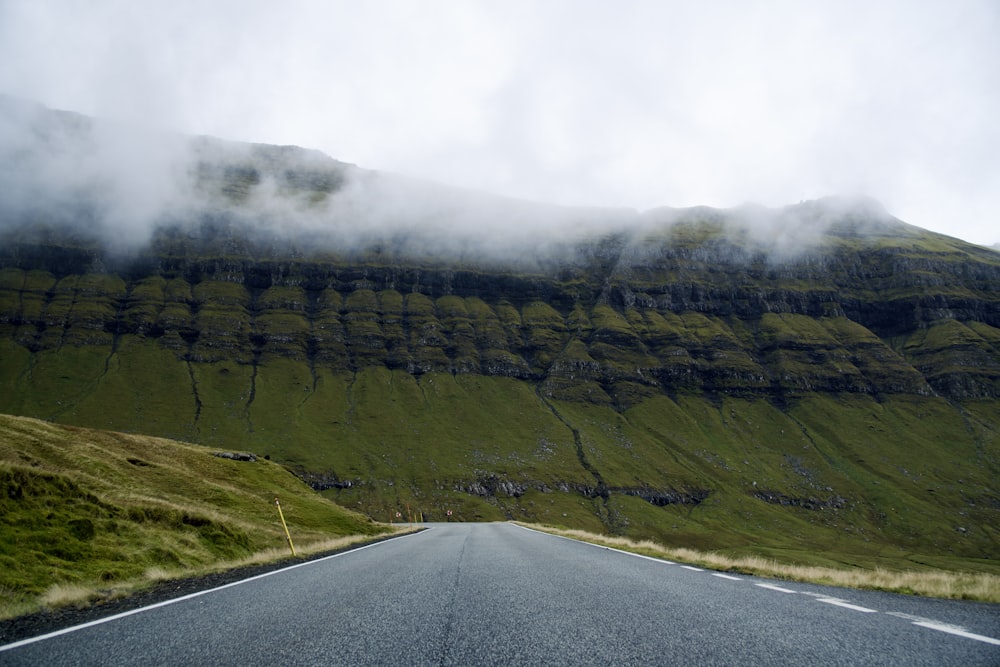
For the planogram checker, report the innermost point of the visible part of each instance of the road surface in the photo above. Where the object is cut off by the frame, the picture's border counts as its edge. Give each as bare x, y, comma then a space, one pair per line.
499, 594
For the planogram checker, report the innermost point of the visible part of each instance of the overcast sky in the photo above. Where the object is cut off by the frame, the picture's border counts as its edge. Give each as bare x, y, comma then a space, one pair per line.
625, 103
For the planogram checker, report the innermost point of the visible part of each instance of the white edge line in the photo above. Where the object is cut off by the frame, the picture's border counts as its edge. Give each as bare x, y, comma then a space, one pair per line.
846, 605
662, 561
961, 632
692, 568
726, 576
927, 624
115, 617
772, 587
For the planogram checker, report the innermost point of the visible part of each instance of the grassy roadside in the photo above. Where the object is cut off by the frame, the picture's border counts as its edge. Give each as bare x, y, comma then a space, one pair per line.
979, 586
59, 596
88, 515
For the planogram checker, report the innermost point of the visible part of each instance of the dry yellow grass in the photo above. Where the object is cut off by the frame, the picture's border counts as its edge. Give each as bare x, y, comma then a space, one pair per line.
157, 574
979, 586
321, 546
61, 595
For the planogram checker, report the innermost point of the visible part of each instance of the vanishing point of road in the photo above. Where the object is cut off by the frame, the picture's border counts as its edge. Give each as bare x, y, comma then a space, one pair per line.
499, 594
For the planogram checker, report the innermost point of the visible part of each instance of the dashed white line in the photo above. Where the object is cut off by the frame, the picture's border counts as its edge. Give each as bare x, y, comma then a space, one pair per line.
772, 587
725, 576
692, 568
846, 605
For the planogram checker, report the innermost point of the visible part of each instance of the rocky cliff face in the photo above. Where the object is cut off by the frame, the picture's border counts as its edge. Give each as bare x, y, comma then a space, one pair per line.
614, 319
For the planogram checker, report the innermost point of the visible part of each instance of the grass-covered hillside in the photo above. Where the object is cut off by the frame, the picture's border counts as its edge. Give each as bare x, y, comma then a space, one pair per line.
823, 478
819, 382
87, 514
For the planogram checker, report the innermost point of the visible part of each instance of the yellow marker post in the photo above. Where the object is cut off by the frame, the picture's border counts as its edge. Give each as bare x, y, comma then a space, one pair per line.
285, 526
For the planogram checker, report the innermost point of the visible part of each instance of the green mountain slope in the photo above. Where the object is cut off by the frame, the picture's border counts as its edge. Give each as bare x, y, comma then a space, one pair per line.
819, 381
108, 511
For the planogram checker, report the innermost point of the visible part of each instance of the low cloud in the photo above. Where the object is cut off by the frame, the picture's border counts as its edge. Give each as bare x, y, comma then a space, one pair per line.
61, 169
641, 104
120, 184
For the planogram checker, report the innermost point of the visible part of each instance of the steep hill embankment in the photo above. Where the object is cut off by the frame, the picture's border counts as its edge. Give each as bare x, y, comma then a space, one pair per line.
88, 514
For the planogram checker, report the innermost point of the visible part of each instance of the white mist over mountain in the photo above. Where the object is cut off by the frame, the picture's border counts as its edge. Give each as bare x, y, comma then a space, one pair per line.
109, 178
635, 104
121, 185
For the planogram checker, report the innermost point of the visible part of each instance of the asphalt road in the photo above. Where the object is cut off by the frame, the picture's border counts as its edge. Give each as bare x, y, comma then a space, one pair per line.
498, 594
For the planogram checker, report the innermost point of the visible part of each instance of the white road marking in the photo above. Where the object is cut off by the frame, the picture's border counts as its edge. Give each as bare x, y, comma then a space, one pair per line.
916, 620
108, 619
772, 587
599, 546
627, 553
944, 627
955, 630
846, 605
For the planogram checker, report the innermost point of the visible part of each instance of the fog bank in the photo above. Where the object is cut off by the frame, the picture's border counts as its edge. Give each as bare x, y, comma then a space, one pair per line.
120, 184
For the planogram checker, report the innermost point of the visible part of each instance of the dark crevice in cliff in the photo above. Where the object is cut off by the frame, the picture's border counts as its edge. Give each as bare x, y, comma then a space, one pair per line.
601, 489
423, 393
119, 328
312, 342
409, 364
194, 393
65, 324
115, 329
19, 318
253, 391
257, 343
189, 334
351, 407
982, 456
29, 332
